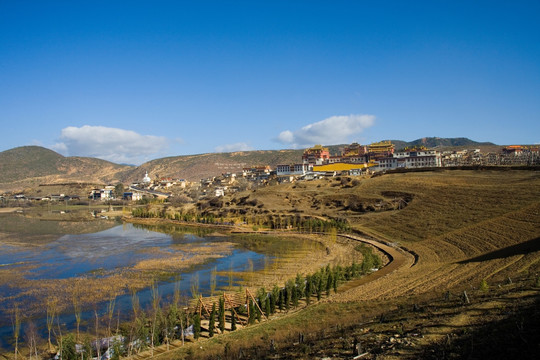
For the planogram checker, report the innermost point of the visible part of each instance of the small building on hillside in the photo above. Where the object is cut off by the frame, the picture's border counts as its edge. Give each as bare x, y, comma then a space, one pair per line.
146, 179
410, 158
220, 191
316, 155
132, 195
293, 169
256, 172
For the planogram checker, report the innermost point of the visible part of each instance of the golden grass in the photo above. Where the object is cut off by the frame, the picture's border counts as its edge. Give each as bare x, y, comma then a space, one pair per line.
454, 216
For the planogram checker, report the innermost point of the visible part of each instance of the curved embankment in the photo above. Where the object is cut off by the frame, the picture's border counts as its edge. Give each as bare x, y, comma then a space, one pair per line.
381, 282
399, 260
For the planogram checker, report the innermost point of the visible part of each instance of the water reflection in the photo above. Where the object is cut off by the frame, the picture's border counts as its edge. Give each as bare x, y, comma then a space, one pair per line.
120, 247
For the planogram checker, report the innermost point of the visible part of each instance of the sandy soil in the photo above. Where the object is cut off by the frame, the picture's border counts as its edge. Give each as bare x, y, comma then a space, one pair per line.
9, 210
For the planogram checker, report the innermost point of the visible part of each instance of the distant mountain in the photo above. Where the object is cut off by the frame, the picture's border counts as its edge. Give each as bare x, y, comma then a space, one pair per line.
29, 166
435, 142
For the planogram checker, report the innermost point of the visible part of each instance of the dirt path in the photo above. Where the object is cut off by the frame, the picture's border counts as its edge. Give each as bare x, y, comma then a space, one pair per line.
400, 260
9, 210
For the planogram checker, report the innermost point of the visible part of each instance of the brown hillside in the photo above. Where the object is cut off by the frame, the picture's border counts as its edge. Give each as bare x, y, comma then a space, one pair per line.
464, 226
196, 167
30, 166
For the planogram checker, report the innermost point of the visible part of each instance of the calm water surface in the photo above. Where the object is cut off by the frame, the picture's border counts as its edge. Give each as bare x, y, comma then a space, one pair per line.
120, 246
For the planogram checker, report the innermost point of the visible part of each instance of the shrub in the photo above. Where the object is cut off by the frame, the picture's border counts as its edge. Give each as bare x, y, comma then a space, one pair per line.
68, 347
484, 285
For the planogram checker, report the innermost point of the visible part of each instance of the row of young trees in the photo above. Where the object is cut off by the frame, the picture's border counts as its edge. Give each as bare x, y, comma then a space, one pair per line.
307, 288
297, 222
163, 322
148, 212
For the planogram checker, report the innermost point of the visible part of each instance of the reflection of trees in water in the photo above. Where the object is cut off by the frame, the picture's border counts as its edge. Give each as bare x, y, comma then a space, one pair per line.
172, 229
25, 225
274, 245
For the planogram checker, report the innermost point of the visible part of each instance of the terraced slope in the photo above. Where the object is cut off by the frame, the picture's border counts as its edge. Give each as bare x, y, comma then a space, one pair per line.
464, 228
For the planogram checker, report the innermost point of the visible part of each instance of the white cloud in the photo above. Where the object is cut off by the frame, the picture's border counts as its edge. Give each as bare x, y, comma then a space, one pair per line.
117, 145
286, 137
241, 146
332, 130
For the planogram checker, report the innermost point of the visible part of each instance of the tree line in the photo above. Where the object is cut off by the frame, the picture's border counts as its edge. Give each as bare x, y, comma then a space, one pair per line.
164, 322
274, 222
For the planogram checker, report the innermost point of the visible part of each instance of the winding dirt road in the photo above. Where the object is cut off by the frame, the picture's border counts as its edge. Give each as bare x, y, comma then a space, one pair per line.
399, 261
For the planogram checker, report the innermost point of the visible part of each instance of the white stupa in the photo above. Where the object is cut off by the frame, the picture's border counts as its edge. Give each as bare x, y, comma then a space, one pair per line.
147, 179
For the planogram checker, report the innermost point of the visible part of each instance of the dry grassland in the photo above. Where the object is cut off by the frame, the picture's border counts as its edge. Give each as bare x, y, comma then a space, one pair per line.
463, 226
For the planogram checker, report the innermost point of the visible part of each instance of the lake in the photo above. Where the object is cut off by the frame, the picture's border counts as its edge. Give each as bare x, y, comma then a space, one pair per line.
42, 256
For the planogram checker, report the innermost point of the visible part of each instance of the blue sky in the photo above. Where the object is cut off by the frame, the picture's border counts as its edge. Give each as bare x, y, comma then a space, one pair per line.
136, 80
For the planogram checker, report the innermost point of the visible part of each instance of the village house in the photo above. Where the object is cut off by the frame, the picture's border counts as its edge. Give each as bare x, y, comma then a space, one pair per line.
166, 182
133, 195
104, 194
220, 191
418, 157
293, 169
257, 173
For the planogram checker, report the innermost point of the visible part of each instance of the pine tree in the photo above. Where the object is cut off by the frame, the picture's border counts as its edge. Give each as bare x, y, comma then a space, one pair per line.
233, 321
300, 283
212, 322
221, 315
307, 290
267, 308
272, 301
294, 297
286, 298
319, 288
329, 281
335, 280
196, 326
251, 318
275, 298
258, 314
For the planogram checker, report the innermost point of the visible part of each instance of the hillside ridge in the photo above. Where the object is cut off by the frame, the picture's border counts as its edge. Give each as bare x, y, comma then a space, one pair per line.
28, 166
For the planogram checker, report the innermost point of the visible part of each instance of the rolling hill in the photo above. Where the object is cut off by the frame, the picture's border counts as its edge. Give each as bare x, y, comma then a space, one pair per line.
196, 167
30, 166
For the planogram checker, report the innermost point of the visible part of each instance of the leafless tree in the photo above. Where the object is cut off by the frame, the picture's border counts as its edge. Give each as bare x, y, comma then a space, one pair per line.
52, 308
31, 340
136, 308
76, 300
98, 341
194, 285
16, 324
176, 303
110, 314
155, 310
213, 283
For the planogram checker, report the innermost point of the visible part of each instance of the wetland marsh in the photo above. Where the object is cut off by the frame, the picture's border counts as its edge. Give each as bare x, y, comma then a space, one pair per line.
74, 255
